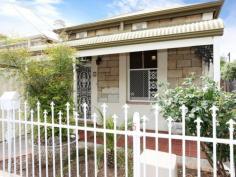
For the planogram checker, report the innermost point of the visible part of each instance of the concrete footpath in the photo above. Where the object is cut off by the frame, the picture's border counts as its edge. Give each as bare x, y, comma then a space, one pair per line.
7, 175
17, 150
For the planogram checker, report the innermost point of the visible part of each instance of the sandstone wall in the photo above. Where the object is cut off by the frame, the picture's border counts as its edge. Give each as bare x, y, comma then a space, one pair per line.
174, 21
108, 79
181, 63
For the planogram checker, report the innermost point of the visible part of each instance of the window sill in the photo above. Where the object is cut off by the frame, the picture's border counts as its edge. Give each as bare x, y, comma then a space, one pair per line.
140, 102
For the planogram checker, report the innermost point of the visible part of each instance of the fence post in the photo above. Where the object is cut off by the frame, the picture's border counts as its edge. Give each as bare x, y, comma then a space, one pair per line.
126, 140
184, 111
170, 120
198, 121
214, 109
136, 145
231, 145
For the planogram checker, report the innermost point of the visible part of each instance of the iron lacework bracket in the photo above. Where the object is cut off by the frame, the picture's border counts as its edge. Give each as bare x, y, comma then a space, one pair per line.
206, 53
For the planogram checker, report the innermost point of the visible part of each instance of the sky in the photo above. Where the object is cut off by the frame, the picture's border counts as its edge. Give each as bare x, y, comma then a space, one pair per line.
29, 17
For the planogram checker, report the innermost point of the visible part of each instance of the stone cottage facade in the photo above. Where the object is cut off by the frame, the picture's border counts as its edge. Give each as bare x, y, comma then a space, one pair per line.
124, 57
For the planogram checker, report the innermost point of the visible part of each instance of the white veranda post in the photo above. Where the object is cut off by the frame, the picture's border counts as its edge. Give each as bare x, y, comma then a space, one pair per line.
136, 145
216, 60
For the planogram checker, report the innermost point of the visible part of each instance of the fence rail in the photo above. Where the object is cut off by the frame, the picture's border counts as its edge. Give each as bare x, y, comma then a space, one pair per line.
49, 143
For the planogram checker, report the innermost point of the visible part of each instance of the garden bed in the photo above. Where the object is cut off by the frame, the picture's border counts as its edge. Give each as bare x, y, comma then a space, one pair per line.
110, 171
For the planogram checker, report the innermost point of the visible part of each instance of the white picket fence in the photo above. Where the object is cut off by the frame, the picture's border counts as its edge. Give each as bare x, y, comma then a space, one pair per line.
25, 152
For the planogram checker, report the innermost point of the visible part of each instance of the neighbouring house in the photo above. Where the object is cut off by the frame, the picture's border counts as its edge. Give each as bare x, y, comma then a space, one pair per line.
123, 57
12, 83
27, 42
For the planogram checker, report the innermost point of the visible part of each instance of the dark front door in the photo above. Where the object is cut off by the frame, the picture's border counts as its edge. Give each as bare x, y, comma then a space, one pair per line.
84, 88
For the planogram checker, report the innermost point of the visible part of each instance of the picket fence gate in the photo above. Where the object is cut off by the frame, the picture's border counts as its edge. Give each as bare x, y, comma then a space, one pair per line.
27, 128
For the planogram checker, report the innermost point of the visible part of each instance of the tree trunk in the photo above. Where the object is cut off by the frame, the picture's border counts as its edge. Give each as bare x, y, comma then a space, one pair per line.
220, 167
110, 158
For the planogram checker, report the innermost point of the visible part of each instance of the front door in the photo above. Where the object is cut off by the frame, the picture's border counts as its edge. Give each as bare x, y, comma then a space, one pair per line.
84, 88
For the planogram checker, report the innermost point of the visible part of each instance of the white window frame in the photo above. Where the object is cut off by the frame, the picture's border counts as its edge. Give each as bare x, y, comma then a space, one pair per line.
84, 34
136, 25
128, 79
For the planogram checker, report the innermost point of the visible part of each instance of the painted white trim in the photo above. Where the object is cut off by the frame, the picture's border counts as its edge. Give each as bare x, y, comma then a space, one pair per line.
94, 87
128, 78
75, 98
147, 46
144, 69
216, 60
122, 78
162, 56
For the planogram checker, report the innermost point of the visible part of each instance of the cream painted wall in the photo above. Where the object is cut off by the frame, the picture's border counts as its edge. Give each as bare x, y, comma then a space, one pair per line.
162, 65
142, 108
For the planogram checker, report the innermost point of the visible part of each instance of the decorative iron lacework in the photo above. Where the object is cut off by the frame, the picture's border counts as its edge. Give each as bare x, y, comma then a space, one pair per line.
84, 88
205, 52
152, 84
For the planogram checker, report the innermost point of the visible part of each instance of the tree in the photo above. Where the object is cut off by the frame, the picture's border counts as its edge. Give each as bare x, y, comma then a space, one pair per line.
16, 58
199, 101
2, 37
229, 71
222, 62
48, 80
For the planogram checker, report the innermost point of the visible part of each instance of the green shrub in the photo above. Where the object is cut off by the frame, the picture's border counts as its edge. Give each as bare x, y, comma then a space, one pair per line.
199, 100
47, 80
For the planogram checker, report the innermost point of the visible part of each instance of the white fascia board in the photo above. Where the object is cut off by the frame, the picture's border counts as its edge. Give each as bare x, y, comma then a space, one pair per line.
146, 46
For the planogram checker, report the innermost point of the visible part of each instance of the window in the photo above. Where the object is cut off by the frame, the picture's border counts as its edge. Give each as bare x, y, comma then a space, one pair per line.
139, 26
72, 36
81, 35
143, 76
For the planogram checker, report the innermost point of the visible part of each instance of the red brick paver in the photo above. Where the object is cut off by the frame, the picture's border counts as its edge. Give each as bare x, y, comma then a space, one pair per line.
191, 146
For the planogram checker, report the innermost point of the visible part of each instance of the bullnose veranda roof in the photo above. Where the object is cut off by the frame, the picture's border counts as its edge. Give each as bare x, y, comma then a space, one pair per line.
207, 28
